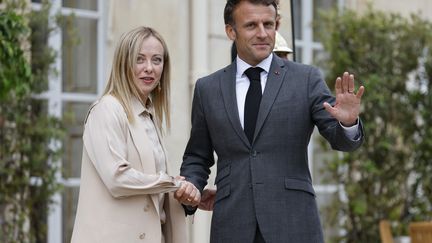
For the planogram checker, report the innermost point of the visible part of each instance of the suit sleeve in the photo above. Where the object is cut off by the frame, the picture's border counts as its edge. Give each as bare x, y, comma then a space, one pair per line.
328, 126
105, 136
198, 156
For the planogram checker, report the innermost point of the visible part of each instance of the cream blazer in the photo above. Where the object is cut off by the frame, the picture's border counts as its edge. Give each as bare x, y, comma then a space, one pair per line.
118, 198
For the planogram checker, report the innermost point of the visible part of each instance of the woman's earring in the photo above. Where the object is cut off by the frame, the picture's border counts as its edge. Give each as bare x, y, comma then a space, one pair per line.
159, 87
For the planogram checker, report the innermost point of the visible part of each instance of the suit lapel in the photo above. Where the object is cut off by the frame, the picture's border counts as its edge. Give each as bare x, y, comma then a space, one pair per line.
228, 88
274, 81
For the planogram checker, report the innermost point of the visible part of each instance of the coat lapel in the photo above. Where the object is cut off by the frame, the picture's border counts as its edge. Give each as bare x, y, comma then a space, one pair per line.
143, 146
228, 88
274, 81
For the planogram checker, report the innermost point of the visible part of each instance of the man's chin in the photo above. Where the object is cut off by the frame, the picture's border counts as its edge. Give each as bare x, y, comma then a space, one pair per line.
263, 55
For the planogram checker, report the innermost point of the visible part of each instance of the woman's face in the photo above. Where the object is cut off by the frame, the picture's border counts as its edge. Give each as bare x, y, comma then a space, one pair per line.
149, 66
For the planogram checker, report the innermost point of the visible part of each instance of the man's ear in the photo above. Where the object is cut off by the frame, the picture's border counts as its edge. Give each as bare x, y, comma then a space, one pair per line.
230, 32
278, 22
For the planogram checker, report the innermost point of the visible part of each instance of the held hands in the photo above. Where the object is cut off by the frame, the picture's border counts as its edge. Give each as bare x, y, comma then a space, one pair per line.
347, 107
207, 200
187, 194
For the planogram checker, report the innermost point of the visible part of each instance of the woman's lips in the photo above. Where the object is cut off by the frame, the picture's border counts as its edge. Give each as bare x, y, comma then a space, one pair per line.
147, 79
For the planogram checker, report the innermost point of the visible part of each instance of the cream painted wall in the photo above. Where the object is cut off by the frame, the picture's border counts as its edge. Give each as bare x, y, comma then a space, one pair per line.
219, 44
285, 22
404, 7
170, 19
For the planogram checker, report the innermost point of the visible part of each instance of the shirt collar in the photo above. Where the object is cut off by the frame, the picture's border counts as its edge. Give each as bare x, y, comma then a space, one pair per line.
242, 66
139, 109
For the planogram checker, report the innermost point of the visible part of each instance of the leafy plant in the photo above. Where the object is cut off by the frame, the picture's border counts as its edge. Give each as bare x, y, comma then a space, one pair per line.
28, 135
390, 176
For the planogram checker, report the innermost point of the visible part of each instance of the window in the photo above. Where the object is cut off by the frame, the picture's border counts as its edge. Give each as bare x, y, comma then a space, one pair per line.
79, 83
308, 51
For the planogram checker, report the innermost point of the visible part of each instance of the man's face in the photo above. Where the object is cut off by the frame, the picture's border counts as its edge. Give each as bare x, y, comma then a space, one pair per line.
253, 31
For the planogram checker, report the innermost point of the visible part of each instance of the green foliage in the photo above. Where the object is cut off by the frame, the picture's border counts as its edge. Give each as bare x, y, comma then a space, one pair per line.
28, 150
390, 176
12, 30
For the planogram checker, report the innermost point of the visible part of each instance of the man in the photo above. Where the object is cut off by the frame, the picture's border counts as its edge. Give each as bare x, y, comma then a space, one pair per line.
281, 48
264, 188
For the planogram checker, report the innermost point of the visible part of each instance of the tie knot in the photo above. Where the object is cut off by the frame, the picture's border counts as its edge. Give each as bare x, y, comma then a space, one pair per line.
254, 73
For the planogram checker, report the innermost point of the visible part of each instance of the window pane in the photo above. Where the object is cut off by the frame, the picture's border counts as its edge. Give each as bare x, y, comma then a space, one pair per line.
298, 54
74, 115
325, 201
297, 6
81, 4
318, 7
321, 159
319, 56
79, 70
319, 59
69, 205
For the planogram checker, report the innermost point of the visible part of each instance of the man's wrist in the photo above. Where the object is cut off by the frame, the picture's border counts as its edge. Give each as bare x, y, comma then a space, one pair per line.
350, 124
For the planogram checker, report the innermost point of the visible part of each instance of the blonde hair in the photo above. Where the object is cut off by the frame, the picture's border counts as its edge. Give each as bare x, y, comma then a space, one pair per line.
121, 82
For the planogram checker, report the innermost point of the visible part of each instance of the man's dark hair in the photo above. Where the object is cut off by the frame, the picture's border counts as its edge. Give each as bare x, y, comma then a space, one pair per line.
232, 4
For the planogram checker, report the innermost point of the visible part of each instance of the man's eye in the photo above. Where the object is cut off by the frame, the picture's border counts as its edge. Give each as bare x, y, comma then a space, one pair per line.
269, 25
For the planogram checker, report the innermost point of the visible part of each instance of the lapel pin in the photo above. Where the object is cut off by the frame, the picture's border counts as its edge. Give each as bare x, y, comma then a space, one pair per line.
276, 72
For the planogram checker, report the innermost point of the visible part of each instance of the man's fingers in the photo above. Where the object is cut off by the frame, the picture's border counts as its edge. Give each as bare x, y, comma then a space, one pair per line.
194, 201
179, 193
329, 108
360, 92
351, 83
345, 81
191, 196
187, 192
338, 85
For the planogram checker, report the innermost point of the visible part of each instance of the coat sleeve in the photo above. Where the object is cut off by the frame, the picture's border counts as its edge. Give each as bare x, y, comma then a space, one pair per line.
105, 140
198, 156
328, 126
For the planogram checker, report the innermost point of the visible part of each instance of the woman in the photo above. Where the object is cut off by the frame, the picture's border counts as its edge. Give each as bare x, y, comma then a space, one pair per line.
123, 193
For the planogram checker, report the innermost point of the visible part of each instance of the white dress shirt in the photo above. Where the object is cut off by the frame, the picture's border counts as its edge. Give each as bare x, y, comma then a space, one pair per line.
242, 82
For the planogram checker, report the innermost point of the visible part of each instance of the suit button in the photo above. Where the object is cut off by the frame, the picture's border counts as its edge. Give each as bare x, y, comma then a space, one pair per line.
142, 236
253, 153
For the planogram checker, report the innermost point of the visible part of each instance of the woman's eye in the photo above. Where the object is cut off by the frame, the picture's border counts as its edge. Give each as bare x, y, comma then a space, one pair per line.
157, 60
140, 60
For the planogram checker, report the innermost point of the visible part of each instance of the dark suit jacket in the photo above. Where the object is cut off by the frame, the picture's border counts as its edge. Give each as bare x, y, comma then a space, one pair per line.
267, 182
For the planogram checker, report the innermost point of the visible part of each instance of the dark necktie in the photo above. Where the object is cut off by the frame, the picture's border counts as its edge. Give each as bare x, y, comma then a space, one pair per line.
253, 100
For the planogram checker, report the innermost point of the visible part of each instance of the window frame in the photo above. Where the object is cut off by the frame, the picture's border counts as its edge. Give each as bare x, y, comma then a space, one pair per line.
55, 97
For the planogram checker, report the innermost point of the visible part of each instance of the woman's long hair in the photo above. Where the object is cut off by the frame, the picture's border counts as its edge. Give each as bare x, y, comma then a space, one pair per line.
121, 82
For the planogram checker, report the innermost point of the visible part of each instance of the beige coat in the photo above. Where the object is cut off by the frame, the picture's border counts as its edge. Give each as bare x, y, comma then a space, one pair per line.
118, 199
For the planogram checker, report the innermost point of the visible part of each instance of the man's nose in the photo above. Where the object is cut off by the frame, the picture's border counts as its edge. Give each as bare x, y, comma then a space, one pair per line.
261, 31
